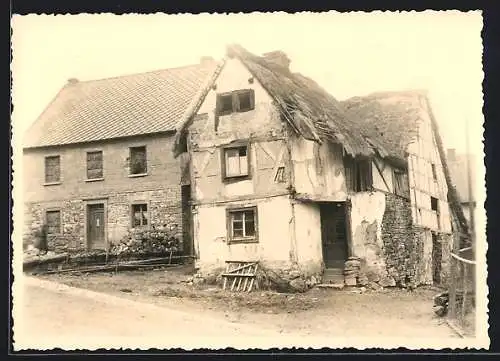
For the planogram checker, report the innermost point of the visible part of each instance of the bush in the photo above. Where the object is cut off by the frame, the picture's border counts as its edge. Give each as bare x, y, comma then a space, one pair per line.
158, 240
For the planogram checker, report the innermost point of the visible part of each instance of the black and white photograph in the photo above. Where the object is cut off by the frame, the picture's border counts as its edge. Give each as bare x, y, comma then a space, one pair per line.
261, 180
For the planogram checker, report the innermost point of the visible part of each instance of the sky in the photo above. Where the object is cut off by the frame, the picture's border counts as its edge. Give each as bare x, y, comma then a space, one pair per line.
348, 54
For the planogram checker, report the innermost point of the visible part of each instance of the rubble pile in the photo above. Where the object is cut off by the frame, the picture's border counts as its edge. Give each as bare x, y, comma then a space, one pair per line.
158, 240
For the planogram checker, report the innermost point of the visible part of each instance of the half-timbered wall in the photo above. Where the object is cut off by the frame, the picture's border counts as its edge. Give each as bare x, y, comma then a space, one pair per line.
427, 181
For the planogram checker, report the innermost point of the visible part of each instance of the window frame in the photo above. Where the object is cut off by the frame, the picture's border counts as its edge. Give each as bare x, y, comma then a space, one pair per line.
434, 172
87, 163
147, 212
406, 191
46, 158
131, 150
230, 211
353, 164
235, 101
53, 210
235, 145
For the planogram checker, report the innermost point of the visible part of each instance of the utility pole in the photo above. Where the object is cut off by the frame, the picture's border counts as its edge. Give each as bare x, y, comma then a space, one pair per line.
472, 229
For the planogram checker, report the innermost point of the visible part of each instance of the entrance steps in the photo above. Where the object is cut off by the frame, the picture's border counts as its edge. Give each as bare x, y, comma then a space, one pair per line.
333, 276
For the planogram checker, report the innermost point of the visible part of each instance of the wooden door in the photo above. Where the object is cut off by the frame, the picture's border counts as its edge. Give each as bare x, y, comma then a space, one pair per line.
96, 227
333, 234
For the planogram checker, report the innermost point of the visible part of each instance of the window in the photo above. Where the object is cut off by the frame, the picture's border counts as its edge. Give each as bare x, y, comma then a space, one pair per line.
280, 175
358, 173
236, 101
53, 222
434, 173
52, 169
225, 103
140, 216
401, 186
236, 161
138, 160
434, 204
242, 224
94, 165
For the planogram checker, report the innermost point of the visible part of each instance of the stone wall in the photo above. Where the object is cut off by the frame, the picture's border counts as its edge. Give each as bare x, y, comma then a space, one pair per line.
406, 248
441, 263
163, 206
159, 188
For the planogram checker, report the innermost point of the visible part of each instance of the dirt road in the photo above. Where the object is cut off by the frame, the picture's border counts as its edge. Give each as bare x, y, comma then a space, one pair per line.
60, 316
98, 314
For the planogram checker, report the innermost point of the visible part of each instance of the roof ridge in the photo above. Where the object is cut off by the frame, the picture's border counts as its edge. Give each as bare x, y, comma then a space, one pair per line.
385, 93
137, 73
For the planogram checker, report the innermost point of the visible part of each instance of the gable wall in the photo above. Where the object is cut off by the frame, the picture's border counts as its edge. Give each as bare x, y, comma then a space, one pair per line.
422, 154
262, 126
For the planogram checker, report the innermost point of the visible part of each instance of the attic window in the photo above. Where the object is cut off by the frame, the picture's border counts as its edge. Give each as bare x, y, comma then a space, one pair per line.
358, 174
225, 102
236, 101
244, 100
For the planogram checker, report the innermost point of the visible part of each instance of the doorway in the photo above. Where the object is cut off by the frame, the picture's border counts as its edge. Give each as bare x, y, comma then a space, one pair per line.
334, 234
187, 233
96, 231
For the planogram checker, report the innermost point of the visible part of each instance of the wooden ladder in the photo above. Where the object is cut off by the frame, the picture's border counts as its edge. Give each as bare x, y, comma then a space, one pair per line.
241, 275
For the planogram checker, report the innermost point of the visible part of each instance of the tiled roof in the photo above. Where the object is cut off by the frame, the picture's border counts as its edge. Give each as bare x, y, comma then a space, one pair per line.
118, 107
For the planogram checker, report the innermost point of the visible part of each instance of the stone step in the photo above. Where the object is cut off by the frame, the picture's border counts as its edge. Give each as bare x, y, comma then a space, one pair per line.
333, 276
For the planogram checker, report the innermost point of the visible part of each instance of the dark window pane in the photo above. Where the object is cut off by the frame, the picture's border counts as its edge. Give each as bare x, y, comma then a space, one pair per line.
138, 161
237, 233
53, 222
94, 165
243, 151
140, 215
237, 216
52, 169
244, 101
249, 228
226, 103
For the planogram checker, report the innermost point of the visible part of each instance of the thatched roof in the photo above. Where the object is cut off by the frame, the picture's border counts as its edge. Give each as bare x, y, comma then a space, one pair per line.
309, 109
388, 120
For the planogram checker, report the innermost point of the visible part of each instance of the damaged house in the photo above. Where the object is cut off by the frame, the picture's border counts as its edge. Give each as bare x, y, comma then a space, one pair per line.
266, 166
284, 174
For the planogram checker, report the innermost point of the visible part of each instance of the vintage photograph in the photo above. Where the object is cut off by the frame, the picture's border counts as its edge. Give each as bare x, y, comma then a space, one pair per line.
263, 180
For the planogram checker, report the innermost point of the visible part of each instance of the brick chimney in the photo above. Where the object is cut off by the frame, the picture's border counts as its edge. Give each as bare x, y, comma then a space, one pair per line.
278, 57
206, 60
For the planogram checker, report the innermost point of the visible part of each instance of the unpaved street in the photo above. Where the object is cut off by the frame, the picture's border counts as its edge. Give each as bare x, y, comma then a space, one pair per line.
60, 316
161, 314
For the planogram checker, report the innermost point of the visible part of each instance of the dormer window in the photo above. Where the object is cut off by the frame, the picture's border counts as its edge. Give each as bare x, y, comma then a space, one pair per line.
235, 102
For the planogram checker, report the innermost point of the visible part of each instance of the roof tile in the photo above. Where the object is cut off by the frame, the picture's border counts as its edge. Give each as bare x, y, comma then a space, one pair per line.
118, 107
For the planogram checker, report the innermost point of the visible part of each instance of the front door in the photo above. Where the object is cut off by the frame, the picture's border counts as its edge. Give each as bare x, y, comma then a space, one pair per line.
96, 226
333, 234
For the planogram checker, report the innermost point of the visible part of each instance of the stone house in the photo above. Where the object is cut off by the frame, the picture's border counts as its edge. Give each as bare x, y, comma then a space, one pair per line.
284, 174
98, 160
